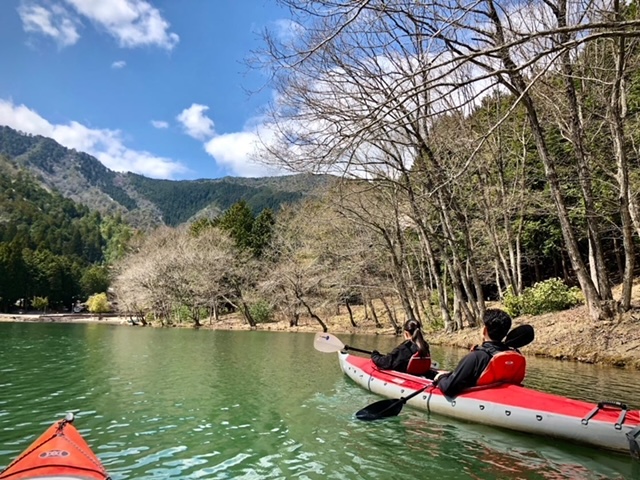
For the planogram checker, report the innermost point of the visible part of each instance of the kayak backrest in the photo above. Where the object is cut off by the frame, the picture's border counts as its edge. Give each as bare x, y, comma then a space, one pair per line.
504, 367
418, 365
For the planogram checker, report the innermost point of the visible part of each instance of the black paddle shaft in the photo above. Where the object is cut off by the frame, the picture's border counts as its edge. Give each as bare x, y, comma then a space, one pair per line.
347, 347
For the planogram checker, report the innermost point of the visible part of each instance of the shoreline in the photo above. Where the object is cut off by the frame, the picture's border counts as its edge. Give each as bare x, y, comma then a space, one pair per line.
568, 335
63, 318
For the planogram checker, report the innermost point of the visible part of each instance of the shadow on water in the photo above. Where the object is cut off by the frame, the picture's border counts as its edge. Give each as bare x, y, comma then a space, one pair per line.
183, 404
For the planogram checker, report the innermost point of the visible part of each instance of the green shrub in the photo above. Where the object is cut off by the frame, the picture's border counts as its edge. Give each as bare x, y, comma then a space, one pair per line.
543, 297
512, 303
181, 314
261, 312
433, 322
98, 303
40, 303
434, 298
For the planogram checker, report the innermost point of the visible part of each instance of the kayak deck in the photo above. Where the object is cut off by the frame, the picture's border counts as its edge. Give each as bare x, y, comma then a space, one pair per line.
60, 453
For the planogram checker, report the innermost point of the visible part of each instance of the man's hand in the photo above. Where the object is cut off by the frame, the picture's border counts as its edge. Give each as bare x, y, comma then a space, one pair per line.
439, 375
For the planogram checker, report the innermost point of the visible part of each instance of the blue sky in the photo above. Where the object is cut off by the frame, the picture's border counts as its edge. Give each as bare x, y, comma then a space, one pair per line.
157, 87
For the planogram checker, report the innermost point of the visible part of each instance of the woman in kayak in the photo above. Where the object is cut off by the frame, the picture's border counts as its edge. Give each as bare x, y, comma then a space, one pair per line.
486, 364
411, 356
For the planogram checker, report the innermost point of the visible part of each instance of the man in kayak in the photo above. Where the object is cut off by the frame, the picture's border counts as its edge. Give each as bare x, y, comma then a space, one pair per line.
411, 356
473, 366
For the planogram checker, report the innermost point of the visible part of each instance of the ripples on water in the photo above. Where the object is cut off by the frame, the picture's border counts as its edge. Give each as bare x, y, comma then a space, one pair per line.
180, 404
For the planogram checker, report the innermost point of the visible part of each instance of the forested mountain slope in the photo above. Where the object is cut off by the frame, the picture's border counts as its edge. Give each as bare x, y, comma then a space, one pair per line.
50, 246
145, 201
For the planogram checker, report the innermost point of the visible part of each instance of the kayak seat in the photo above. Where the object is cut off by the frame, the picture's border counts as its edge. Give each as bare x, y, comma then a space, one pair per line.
504, 367
418, 365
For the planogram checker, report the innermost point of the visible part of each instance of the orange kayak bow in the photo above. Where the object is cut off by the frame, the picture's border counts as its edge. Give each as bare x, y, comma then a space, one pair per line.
60, 453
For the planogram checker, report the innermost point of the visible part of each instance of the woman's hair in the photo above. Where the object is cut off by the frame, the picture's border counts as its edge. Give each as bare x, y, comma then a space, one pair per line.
415, 330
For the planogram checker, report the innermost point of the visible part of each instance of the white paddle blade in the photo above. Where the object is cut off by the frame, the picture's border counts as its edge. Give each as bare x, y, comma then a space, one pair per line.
327, 343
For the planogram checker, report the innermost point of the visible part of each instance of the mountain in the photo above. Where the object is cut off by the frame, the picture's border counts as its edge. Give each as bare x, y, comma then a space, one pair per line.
143, 201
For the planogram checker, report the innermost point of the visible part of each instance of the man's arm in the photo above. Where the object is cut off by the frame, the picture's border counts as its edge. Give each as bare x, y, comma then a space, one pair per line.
464, 376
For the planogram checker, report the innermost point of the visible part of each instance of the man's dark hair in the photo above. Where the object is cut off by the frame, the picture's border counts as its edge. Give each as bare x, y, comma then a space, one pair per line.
498, 324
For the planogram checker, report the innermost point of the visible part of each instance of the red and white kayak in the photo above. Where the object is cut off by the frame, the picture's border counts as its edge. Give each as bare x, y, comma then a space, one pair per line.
60, 453
608, 425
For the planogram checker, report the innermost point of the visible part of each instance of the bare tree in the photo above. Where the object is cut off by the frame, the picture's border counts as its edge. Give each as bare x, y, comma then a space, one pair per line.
174, 272
366, 81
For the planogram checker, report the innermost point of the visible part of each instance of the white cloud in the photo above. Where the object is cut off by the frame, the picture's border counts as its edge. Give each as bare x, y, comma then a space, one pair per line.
236, 152
195, 123
118, 64
54, 21
233, 152
133, 23
106, 145
159, 124
286, 29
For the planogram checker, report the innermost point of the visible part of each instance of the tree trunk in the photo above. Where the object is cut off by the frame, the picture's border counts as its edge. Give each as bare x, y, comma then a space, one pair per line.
417, 304
294, 320
617, 107
247, 315
353, 322
593, 269
244, 308
311, 314
440, 288
397, 260
457, 315
374, 314
619, 262
635, 213
498, 285
457, 272
390, 313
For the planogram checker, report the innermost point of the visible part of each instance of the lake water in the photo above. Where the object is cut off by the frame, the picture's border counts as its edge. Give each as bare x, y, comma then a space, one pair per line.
184, 404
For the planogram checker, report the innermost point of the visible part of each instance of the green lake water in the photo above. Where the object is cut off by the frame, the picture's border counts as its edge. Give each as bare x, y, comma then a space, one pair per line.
185, 404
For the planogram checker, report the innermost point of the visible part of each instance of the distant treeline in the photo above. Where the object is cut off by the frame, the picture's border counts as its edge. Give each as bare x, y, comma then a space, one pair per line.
50, 246
180, 200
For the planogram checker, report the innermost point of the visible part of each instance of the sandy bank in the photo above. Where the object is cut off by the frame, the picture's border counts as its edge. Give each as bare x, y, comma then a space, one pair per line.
63, 318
